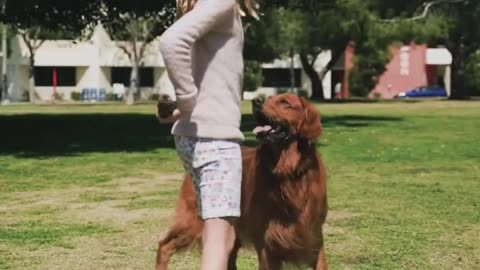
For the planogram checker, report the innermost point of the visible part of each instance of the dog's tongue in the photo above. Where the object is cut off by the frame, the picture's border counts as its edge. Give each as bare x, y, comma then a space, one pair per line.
262, 129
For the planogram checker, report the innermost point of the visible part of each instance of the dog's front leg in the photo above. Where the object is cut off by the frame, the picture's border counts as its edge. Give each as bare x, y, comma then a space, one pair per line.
320, 262
267, 261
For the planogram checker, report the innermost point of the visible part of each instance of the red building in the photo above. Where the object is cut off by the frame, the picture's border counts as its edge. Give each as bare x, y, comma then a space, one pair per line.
411, 66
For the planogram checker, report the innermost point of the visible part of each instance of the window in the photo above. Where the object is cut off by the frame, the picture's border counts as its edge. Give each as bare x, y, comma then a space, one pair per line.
122, 75
280, 77
146, 77
66, 76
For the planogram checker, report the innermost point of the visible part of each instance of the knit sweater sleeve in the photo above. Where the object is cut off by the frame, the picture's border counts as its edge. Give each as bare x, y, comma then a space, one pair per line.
176, 46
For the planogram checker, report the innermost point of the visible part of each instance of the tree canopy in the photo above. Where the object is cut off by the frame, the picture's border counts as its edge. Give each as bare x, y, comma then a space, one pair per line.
52, 15
374, 26
76, 16
306, 26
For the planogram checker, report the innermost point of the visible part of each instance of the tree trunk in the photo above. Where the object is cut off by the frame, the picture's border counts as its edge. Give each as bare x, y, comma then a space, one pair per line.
32, 44
292, 72
4, 92
138, 92
31, 78
317, 86
458, 71
132, 91
315, 77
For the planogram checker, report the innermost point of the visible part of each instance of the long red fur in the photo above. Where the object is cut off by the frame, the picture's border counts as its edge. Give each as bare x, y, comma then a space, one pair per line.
284, 198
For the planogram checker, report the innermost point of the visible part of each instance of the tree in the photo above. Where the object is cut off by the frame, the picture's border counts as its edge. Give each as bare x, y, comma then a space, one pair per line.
34, 37
312, 27
31, 37
252, 78
458, 19
4, 55
137, 23
462, 40
330, 28
134, 27
472, 74
290, 35
330, 25
36, 20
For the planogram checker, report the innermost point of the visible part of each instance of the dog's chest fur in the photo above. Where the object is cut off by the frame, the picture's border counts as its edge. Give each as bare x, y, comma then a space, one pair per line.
281, 212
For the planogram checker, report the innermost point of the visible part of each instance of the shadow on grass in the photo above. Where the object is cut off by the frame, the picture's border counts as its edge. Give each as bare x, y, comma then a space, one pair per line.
45, 135
368, 101
37, 135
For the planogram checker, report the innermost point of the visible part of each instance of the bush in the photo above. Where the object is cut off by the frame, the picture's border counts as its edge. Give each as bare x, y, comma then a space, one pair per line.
370, 61
364, 75
472, 75
58, 96
76, 96
111, 97
300, 92
377, 95
155, 97
303, 93
282, 90
252, 78
25, 95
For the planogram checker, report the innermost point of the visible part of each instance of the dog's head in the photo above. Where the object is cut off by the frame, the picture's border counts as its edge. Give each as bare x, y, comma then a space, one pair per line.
285, 118
287, 126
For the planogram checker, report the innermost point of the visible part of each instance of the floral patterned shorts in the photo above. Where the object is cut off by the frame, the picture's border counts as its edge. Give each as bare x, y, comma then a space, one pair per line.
216, 166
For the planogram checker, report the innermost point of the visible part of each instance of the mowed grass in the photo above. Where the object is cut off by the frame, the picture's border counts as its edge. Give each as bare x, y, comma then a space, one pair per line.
93, 187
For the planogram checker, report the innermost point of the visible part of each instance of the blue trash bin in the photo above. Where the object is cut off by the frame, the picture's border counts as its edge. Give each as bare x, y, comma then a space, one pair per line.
102, 95
85, 94
93, 94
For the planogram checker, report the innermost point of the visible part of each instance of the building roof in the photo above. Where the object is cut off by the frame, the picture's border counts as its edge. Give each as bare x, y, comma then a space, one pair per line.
99, 50
438, 56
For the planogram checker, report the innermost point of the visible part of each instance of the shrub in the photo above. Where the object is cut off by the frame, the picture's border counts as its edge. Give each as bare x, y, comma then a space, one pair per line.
155, 97
252, 78
76, 96
111, 97
303, 93
472, 75
377, 95
282, 90
58, 96
25, 95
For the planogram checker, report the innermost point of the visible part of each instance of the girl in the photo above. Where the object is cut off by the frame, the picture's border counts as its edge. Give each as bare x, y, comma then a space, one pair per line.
203, 56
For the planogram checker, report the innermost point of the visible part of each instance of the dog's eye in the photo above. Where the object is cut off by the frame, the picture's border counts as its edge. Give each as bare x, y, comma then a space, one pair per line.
285, 103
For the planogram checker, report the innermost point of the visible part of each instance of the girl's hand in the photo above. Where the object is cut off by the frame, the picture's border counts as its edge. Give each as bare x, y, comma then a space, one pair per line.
170, 119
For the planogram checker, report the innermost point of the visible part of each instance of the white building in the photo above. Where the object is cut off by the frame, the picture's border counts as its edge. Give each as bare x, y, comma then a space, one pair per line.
99, 63
276, 76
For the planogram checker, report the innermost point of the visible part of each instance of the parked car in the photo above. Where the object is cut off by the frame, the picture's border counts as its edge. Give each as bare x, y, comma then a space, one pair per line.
424, 91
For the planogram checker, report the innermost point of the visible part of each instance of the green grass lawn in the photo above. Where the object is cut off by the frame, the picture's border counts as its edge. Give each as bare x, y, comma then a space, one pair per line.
93, 187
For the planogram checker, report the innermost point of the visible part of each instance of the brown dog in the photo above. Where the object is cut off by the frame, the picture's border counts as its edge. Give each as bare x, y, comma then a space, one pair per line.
284, 200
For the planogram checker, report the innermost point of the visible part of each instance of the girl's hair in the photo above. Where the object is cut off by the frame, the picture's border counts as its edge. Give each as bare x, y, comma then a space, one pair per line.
184, 6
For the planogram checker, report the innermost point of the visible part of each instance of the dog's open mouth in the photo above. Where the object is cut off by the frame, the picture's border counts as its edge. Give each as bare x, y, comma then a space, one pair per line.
263, 131
269, 131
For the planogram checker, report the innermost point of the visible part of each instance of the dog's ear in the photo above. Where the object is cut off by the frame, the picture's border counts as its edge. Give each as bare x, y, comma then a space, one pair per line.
310, 127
